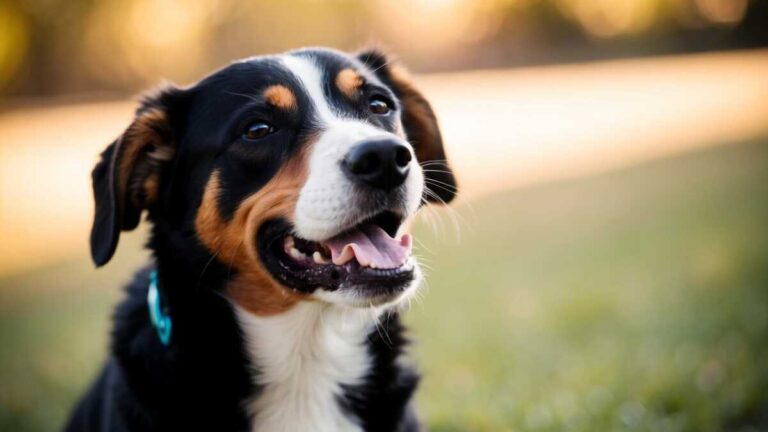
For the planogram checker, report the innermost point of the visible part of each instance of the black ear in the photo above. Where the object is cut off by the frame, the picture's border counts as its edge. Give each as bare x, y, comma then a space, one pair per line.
127, 178
420, 125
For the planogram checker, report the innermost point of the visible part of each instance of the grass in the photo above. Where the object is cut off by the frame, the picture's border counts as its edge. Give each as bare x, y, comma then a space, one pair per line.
631, 301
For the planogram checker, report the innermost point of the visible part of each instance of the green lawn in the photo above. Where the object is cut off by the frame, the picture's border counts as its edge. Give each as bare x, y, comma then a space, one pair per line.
636, 300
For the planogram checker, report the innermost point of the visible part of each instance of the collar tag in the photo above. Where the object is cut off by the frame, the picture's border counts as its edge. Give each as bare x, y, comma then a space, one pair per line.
157, 313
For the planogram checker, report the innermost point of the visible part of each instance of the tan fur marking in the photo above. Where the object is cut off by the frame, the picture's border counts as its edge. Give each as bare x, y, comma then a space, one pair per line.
145, 133
349, 82
151, 186
234, 241
281, 97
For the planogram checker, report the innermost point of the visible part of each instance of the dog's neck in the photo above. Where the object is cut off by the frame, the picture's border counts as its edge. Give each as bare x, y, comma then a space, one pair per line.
226, 369
305, 357
315, 364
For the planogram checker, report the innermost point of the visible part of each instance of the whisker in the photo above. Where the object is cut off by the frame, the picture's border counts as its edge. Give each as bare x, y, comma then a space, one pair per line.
434, 162
205, 267
420, 294
384, 65
232, 261
250, 97
380, 328
455, 218
422, 246
441, 184
436, 171
426, 214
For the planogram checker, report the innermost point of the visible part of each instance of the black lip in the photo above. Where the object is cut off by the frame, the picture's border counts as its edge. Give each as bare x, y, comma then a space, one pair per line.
368, 282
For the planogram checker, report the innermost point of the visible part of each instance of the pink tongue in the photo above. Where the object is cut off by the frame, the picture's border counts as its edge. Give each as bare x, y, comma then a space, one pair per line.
372, 247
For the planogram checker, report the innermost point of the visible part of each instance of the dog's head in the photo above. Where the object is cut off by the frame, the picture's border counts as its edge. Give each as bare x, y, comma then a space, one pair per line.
297, 172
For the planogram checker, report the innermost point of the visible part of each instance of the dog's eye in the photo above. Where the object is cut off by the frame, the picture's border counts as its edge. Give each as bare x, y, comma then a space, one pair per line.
379, 105
258, 129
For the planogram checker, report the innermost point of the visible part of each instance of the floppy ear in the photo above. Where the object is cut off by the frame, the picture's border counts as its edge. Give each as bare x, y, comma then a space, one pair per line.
420, 126
126, 179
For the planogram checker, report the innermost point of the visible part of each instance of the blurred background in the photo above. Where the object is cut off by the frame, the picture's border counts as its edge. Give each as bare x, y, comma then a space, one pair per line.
605, 268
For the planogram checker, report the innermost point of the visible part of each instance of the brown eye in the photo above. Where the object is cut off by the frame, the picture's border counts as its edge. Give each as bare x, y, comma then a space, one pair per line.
257, 130
379, 105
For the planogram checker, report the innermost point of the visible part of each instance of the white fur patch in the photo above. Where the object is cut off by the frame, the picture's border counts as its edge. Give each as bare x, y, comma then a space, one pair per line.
303, 357
326, 203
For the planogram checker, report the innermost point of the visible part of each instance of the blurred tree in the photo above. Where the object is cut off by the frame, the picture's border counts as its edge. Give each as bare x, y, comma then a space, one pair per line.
57, 46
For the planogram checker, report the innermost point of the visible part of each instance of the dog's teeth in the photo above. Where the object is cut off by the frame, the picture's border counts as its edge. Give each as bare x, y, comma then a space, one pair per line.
318, 258
346, 256
288, 242
295, 253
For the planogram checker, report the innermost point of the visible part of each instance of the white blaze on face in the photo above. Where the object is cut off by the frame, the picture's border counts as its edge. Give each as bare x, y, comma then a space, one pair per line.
326, 203
308, 354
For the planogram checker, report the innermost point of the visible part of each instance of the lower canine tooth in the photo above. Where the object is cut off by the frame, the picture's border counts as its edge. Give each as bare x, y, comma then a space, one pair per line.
318, 258
295, 253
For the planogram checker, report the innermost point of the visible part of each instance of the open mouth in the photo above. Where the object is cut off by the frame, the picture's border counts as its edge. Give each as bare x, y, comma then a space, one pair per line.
368, 256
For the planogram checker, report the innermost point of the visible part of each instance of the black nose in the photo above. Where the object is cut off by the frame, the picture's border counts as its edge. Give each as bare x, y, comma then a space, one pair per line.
382, 164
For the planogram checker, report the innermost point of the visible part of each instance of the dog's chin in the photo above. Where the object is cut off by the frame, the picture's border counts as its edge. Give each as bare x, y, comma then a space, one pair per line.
361, 297
343, 275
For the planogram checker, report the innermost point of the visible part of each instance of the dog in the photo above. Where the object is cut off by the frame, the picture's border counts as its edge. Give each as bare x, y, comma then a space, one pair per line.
279, 190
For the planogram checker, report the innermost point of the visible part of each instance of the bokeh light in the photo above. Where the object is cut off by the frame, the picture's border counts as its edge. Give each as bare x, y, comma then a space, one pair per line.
727, 12
603, 267
608, 18
14, 42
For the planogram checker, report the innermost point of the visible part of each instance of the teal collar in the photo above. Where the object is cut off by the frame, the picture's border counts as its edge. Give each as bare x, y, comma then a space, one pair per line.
158, 313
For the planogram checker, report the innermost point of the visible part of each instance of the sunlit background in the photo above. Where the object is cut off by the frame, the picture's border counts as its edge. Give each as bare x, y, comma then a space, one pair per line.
605, 267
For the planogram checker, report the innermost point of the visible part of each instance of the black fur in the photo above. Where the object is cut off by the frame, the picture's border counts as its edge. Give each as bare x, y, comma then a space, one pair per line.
203, 378
382, 402
196, 383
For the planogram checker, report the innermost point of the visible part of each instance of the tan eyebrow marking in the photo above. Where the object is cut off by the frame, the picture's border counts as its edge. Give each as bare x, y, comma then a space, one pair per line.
349, 81
280, 96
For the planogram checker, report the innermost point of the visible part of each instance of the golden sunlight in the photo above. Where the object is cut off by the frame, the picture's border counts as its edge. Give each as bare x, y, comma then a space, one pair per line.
608, 18
723, 11
447, 25
166, 23
502, 128
14, 39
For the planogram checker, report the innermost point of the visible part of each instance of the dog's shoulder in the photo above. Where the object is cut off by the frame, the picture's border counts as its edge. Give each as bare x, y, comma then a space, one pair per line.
383, 401
195, 382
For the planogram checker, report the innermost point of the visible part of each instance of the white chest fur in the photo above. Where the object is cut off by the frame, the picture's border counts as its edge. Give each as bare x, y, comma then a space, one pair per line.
303, 357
